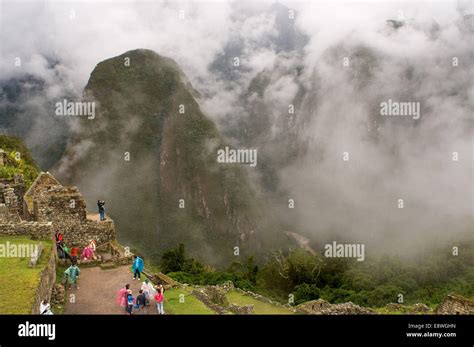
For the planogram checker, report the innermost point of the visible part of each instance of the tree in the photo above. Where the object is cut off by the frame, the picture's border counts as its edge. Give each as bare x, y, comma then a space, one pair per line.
174, 260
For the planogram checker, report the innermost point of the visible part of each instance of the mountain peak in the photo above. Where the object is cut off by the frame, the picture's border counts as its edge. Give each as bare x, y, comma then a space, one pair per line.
151, 153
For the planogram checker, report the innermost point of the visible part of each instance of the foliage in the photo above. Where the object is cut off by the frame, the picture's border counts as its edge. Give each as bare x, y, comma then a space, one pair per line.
17, 164
187, 270
374, 283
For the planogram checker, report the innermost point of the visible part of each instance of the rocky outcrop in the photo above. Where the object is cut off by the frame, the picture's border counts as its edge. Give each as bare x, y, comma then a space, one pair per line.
455, 304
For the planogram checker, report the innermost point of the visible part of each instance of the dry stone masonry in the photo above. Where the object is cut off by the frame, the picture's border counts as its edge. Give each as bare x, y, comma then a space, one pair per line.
46, 282
322, 307
456, 304
46, 207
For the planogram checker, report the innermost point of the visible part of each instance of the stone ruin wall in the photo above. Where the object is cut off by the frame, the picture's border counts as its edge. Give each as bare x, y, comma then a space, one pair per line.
48, 207
59, 204
36, 230
46, 282
11, 197
455, 304
66, 209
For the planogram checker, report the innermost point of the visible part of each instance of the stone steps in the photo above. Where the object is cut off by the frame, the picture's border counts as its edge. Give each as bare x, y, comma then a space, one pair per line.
108, 265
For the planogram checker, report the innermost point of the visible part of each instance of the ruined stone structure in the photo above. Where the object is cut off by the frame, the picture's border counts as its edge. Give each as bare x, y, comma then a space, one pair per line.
215, 298
47, 207
11, 198
455, 304
322, 307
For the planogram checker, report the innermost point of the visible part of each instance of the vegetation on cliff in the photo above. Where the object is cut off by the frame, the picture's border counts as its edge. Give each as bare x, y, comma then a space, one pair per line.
374, 283
19, 160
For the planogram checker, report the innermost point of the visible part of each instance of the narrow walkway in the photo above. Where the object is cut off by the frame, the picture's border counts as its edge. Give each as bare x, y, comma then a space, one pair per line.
95, 216
98, 289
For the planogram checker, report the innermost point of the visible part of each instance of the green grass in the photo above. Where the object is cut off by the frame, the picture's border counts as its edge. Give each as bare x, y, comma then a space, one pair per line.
18, 281
259, 307
191, 304
384, 310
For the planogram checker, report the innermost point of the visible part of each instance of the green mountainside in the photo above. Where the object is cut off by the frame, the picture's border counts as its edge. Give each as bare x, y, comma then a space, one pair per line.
172, 156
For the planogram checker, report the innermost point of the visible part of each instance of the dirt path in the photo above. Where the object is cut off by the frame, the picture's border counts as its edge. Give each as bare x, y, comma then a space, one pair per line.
98, 289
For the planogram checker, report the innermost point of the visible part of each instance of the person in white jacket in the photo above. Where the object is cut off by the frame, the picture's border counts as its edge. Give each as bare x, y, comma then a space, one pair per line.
45, 308
148, 290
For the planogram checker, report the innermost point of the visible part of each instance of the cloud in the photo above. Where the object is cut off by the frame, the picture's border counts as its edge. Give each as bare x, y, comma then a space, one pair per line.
390, 159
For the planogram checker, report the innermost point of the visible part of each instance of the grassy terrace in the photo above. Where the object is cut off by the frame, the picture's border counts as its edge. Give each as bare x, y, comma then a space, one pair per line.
191, 304
259, 307
18, 282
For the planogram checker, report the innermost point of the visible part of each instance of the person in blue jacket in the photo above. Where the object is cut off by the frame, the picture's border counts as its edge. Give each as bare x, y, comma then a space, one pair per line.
137, 266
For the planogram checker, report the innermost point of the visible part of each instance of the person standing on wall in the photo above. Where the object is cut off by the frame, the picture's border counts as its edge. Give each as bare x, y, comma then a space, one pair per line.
100, 206
137, 267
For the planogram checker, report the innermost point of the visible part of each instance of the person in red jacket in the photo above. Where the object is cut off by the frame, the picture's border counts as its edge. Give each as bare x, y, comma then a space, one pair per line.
59, 244
160, 298
74, 252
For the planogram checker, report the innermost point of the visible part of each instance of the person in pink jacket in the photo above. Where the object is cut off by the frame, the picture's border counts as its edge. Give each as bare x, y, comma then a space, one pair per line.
121, 298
